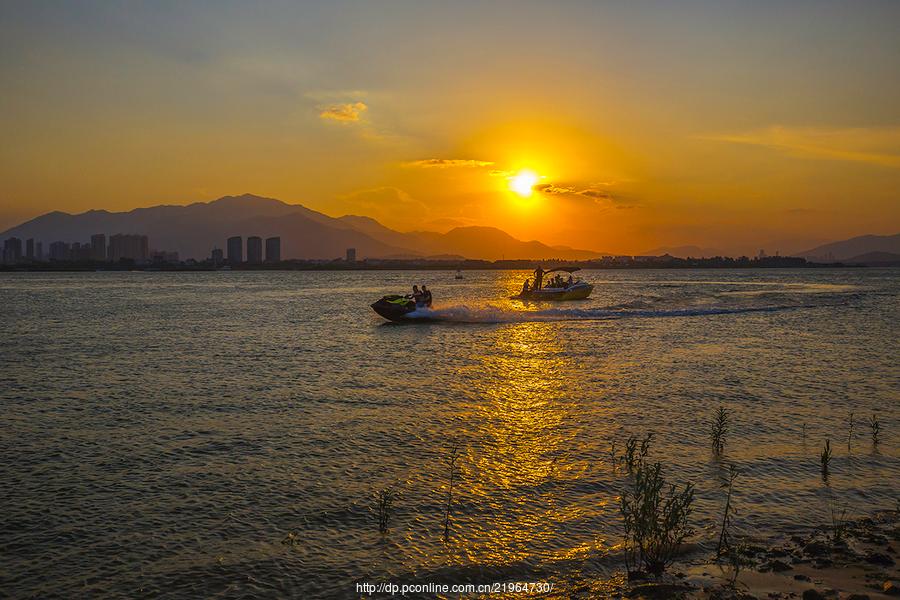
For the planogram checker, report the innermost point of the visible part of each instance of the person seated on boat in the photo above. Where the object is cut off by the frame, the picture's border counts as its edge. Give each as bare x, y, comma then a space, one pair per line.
526, 286
417, 296
538, 278
426, 296
571, 281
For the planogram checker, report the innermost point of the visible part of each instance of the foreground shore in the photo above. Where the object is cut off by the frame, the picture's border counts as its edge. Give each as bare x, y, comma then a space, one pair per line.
851, 560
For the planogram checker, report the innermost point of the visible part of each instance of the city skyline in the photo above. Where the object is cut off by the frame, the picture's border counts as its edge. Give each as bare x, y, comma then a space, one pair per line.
132, 247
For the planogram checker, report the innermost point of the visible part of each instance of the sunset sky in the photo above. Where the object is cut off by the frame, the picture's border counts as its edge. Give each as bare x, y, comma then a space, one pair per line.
637, 124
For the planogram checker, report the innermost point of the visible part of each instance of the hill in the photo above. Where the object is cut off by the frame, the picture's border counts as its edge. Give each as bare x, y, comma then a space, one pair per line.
854, 247
876, 259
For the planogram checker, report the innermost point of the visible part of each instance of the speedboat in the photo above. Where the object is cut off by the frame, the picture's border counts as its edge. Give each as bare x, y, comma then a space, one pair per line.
578, 290
399, 309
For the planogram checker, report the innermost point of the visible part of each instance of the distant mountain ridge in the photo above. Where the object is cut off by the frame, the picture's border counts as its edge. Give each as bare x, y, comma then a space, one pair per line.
876, 259
195, 229
854, 247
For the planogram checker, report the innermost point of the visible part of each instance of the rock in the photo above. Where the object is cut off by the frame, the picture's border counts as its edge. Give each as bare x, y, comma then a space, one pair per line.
778, 552
813, 595
877, 558
751, 549
801, 577
858, 597
778, 566
816, 548
890, 588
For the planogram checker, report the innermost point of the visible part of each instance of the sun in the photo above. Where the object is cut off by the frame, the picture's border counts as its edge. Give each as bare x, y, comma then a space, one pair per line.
523, 182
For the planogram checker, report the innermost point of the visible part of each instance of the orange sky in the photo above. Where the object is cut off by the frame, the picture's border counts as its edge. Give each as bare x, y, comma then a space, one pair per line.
733, 128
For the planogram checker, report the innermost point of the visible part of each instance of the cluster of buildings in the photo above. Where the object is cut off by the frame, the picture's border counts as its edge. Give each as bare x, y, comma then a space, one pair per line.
235, 250
119, 246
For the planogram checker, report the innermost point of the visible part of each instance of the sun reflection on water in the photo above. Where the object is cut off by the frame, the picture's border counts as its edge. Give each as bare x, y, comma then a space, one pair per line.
526, 419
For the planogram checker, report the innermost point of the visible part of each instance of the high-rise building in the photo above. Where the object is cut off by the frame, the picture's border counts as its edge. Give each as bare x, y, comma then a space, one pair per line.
39, 251
29, 248
12, 250
59, 251
129, 246
351, 255
254, 250
273, 249
218, 257
98, 246
235, 250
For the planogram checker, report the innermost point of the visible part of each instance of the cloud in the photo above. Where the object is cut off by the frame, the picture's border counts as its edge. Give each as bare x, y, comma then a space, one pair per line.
872, 145
598, 193
345, 113
446, 163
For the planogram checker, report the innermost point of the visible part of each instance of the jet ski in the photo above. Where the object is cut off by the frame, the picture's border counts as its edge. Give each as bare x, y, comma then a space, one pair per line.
578, 290
398, 308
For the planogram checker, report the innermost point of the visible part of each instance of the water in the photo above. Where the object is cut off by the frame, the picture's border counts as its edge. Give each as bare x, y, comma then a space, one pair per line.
164, 433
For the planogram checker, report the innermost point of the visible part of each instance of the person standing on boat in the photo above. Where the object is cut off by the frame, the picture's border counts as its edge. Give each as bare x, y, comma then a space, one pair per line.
538, 278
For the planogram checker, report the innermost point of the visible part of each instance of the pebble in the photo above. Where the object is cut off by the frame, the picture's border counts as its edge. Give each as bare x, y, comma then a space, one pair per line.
816, 548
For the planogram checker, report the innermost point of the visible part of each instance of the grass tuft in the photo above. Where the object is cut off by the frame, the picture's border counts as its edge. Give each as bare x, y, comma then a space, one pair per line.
384, 507
719, 429
825, 458
656, 516
452, 461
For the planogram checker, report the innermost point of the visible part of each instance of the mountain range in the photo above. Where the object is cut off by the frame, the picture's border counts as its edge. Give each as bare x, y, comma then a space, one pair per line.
856, 249
194, 230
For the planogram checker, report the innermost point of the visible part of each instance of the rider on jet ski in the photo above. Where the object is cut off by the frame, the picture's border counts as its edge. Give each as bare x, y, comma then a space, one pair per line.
421, 298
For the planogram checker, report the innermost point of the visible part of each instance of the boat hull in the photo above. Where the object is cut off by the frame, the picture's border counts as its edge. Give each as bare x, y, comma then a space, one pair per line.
578, 291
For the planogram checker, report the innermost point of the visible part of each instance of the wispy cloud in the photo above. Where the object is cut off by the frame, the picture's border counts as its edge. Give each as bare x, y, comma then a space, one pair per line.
877, 146
446, 163
599, 193
347, 113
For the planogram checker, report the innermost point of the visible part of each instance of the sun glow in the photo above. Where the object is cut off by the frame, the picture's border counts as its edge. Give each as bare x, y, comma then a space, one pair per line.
523, 183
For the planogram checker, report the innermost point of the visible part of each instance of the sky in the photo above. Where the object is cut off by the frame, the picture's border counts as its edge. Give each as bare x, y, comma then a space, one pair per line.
617, 127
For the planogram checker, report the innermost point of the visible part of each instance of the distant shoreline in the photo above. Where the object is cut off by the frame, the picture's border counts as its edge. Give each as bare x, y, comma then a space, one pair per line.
399, 265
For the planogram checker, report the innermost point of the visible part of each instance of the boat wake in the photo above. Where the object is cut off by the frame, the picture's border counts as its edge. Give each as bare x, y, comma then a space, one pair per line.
496, 314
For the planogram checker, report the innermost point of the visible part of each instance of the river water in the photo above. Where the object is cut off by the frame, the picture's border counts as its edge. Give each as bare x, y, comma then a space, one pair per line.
224, 434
